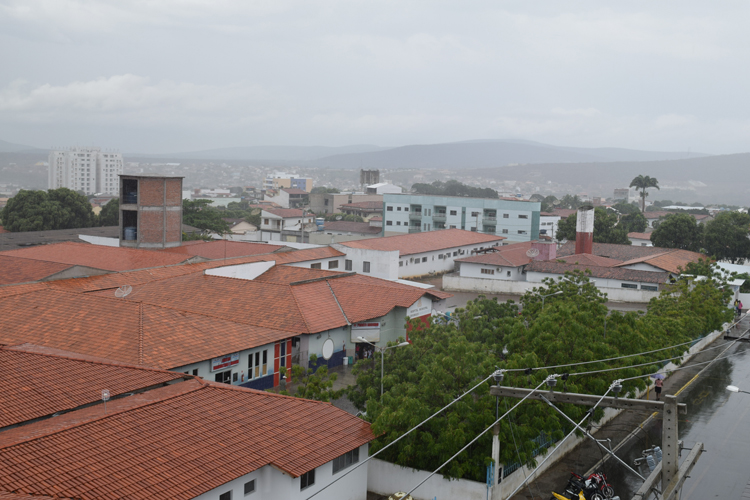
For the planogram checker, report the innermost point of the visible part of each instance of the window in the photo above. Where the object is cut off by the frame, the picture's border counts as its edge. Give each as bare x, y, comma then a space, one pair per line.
401, 263
406, 209
650, 288
505, 231
265, 221
333, 264
424, 259
389, 223
521, 231
475, 214
347, 264
226, 496
307, 479
629, 285
488, 271
453, 227
507, 274
389, 209
441, 256
345, 460
365, 267
249, 487
398, 222
455, 253
265, 362
453, 212
224, 377
505, 216
325, 202
195, 372
398, 209
489, 229
315, 266
473, 229
523, 216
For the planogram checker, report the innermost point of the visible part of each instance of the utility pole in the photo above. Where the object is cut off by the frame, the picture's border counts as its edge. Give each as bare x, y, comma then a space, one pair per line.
672, 475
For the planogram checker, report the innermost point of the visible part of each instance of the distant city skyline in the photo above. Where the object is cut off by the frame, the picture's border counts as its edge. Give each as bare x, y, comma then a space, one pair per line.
165, 76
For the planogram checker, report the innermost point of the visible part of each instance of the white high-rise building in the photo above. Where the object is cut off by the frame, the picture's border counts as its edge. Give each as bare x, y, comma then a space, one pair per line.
85, 169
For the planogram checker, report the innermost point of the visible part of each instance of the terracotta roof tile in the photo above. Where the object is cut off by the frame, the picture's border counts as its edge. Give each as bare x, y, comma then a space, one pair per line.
364, 205
351, 227
286, 212
38, 382
20, 270
587, 259
224, 249
513, 255
617, 273
409, 244
640, 236
670, 260
96, 256
611, 250
160, 444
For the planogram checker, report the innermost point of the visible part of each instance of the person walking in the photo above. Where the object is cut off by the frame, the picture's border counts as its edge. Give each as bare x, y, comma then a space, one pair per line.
739, 307
658, 386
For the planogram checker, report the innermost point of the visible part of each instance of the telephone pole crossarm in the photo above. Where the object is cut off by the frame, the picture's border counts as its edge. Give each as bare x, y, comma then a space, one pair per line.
584, 399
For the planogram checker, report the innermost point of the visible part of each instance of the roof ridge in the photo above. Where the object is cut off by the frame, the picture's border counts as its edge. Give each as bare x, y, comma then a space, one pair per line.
299, 308
82, 359
140, 333
51, 430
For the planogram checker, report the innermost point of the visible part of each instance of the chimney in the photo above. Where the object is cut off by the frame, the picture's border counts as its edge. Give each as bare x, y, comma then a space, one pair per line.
546, 250
585, 230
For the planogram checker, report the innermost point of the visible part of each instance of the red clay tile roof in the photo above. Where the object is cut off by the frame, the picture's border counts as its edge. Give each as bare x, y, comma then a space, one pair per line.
587, 259
640, 236
3, 230
20, 270
38, 382
409, 244
616, 273
4, 495
161, 444
286, 212
220, 249
96, 256
137, 334
564, 212
513, 255
351, 227
611, 250
670, 260
285, 275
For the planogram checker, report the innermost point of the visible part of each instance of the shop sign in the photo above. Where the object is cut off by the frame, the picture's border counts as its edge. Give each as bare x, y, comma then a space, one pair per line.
369, 330
421, 307
225, 361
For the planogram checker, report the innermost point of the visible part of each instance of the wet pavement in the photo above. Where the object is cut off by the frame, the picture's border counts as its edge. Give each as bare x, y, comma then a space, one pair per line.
716, 417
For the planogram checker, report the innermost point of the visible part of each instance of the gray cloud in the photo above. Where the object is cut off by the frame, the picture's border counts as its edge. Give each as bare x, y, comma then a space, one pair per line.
171, 75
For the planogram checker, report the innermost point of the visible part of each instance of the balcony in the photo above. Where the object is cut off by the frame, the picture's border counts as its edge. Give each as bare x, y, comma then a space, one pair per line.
439, 217
415, 229
491, 220
415, 216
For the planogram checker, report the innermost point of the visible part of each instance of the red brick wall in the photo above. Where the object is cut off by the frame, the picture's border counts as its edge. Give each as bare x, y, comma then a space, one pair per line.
151, 226
174, 192
151, 192
174, 226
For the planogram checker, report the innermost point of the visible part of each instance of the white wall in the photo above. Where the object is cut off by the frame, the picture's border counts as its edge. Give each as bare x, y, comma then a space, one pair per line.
642, 266
100, 240
272, 484
638, 242
383, 264
455, 283
474, 270
550, 223
386, 479
415, 265
204, 367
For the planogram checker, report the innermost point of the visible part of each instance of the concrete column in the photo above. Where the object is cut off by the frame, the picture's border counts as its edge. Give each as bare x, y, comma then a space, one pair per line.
669, 445
496, 487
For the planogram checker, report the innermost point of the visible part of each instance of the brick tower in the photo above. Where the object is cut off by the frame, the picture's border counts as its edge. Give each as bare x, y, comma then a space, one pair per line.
150, 211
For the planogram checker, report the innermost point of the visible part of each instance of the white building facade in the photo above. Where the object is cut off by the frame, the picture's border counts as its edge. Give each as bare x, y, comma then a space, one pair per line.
89, 170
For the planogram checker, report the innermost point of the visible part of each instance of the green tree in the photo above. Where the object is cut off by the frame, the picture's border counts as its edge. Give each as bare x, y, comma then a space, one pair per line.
549, 203
606, 228
678, 231
453, 188
198, 213
110, 214
42, 211
310, 384
323, 190
572, 202
726, 237
643, 183
626, 208
634, 222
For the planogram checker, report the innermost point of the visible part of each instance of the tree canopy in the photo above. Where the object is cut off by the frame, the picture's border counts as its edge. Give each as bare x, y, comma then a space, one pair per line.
324, 190
634, 222
678, 231
606, 228
110, 214
726, 237
453, 188
445, 360
198, 213
47, 210
644, 182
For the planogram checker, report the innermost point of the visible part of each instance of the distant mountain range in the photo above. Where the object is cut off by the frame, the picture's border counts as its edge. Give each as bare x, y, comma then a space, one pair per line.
267, 153
9, 147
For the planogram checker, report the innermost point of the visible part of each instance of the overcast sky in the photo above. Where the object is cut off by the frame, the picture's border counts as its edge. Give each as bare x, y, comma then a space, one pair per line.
168, 75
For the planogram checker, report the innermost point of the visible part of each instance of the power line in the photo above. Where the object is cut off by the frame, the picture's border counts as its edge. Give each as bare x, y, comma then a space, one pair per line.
475, 439
352, 469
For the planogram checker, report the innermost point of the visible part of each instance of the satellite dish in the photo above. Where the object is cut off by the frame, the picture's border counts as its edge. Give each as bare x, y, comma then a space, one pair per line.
123, 291
532, 252
327, 349
338, 217
556, 202
105, 395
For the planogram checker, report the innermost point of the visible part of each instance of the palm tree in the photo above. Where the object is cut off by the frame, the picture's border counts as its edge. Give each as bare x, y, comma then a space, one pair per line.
644, 182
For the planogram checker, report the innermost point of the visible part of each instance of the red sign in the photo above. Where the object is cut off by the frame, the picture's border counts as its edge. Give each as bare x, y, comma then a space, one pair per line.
225, 361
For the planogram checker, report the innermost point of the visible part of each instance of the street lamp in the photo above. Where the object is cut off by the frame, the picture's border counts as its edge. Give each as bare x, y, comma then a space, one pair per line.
734, 388
382, 358
550, 295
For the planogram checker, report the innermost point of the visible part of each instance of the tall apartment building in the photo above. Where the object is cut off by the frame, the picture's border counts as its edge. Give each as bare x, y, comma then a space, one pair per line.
85, 169
409, 213
279, 180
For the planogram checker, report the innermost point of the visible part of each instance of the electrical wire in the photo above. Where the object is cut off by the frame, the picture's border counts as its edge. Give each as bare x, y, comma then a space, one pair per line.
518, 453
352, 469
476, 438
691, 365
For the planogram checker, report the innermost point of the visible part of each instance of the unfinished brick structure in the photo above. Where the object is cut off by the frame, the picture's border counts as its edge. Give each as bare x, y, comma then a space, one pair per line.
150, 211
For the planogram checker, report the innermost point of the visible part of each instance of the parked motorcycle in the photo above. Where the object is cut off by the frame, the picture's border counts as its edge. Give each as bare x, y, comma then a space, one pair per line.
594, 487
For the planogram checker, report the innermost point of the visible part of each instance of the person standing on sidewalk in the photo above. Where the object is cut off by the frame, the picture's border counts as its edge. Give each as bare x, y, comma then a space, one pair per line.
658, 386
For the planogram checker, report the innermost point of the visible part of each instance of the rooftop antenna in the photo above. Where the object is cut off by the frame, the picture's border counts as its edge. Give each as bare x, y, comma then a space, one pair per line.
532, 252
123, 291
